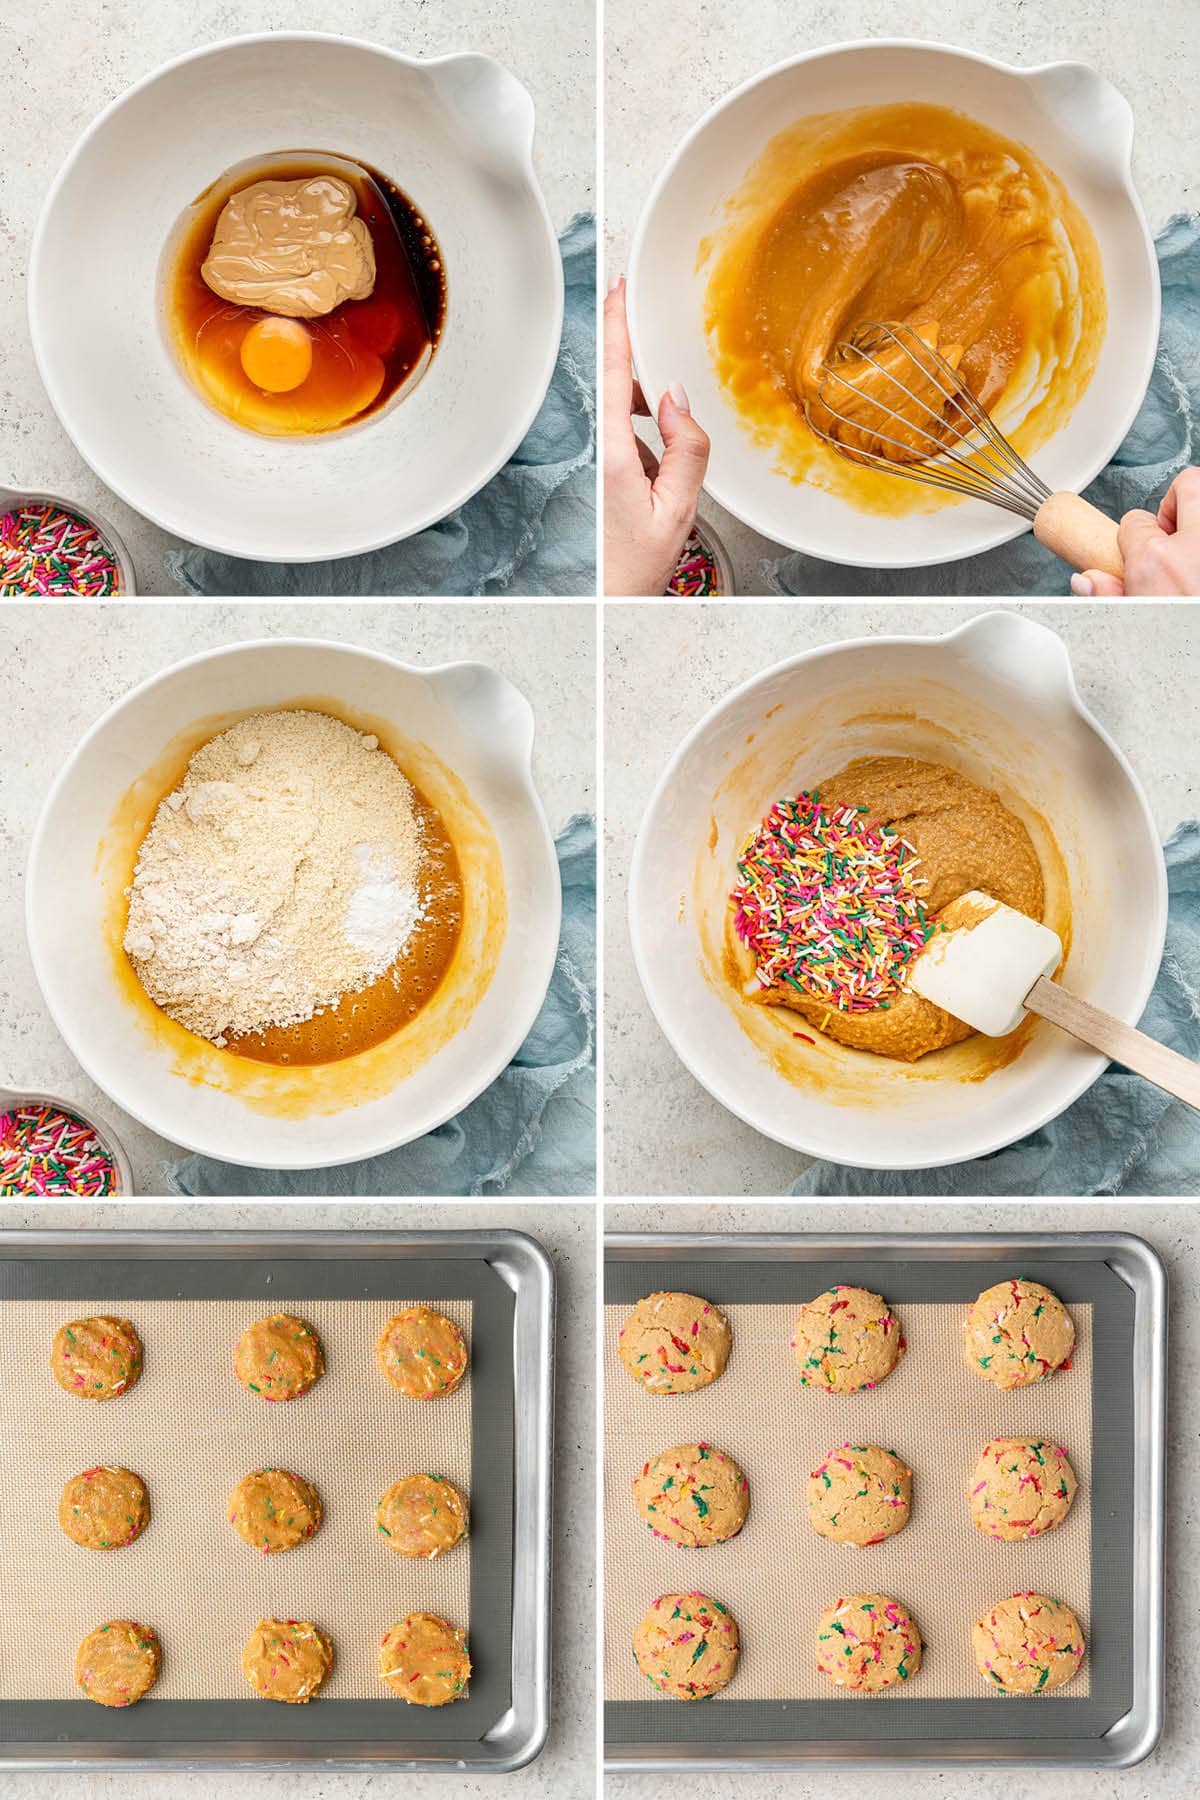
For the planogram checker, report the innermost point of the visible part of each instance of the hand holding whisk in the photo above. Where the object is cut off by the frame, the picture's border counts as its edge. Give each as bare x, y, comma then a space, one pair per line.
891, 399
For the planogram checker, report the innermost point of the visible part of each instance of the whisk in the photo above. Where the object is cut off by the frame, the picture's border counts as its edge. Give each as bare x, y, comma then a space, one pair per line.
920, 410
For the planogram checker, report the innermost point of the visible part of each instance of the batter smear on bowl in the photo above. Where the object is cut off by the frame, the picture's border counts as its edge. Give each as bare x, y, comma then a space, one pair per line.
840, 888
296, 899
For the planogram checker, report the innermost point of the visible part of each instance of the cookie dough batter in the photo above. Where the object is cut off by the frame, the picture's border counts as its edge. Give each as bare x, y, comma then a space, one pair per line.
279, 1358
965, 837
422, 1515
424, 1660
1021, 1487
693, 1495
859, 1495
847, 1339
97, 1358
1028, 1644
687, 1645
1018, 1332
868, 1642
674, 1343
104, 1508
274, 1510
422, 1353
287, 1659
118, 1663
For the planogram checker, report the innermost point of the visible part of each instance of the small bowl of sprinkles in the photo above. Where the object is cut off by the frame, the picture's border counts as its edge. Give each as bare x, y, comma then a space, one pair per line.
704, 571
50, 1149
52, 549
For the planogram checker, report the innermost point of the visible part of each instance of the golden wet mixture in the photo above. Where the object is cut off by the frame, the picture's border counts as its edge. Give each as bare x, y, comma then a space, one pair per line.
912, 214
965, 838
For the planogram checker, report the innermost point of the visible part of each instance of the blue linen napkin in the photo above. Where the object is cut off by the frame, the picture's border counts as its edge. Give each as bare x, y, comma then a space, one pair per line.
1124, 1136
1159, 445
531, 530
533, 1132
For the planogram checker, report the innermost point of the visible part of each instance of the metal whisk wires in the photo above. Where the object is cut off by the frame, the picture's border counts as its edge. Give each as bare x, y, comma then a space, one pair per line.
966, 453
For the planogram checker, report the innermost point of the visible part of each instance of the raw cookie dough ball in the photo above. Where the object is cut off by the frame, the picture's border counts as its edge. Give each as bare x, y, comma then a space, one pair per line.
422, 1353
117, 1663
97, 1358
693, 1495
287, 1659
674, 1343
274, 1509
1018, 1332
868, 1642
847, 1339
424, 1660
1028, 1643
279, 1358
687, 1645
859, 1495
422, 1515
104, 1508
1021, 1487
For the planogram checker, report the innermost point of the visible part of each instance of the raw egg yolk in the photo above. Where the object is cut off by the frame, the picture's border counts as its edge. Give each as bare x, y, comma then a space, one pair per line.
277, 354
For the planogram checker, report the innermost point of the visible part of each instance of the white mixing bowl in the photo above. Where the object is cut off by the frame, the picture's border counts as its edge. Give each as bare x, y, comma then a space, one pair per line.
995, 699
456, 134
465, 734
1074, 120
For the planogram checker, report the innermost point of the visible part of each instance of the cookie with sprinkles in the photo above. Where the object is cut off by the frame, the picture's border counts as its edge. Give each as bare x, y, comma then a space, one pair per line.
1018, 1332
694, 1495
424, 1660
288, 1660
868, 1642
104, 1508
98, 1358
422, 1353
273, 1510
860, 1494
687, 1646
422, 1516
847, 1339
118, 1663
279, 1358
1021, 1488
675, 1343
1028, 1644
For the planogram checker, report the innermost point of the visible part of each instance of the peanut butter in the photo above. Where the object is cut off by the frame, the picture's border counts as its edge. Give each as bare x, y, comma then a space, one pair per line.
291, 247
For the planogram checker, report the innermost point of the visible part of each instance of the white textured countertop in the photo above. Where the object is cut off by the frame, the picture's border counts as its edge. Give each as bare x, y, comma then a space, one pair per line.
63, 61
566, 1768
666, 665
661, 80
1173, 1771
66, 663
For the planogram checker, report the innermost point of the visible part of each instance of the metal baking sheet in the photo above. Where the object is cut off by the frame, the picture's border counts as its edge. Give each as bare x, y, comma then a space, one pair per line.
506, 1282
1117, 1722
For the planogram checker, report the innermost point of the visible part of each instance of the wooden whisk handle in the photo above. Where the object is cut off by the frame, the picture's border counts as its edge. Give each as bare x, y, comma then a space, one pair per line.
1080, 533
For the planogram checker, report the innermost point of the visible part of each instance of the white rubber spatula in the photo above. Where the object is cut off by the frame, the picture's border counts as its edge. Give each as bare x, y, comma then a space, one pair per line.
990, 965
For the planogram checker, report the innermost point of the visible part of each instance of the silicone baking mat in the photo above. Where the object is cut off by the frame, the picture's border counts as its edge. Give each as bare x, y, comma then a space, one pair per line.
191, 1431
778, 1575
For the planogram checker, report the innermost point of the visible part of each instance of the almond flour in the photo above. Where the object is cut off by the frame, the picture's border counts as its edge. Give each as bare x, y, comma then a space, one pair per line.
282, 873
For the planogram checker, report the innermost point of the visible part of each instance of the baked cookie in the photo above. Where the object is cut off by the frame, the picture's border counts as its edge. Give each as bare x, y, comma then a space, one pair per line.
693, 1495
424, 1660
859, 1495
274, 1510
847, 1339
1021, 1487
117, 1663
279, 1358
674, 1343
97, 1358
422, 1515
687, 1645
1018, 1332
104, 1508
422, 1353
868, 1642
1028, 1643
287, 1659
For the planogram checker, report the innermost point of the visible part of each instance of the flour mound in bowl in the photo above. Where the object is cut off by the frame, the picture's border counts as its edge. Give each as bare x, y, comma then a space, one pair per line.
283, 872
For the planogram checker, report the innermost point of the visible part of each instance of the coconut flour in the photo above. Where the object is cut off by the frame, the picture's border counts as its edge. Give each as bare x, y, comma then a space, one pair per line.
282, 873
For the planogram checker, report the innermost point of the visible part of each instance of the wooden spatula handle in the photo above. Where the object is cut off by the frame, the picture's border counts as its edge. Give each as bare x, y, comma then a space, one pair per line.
1080, 533
1165, 1068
